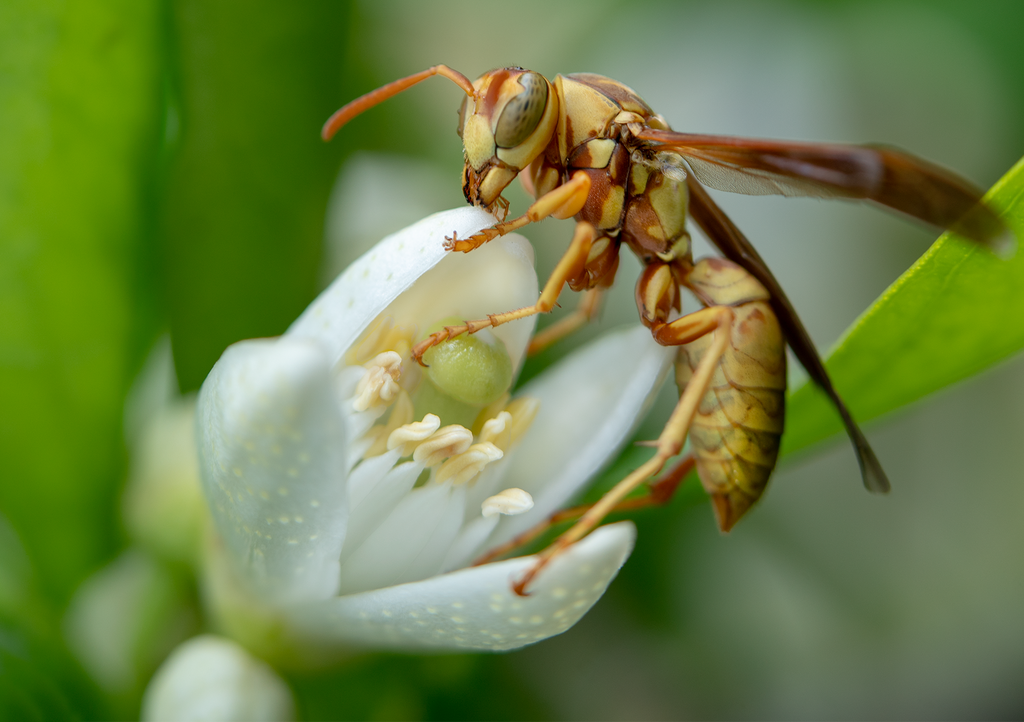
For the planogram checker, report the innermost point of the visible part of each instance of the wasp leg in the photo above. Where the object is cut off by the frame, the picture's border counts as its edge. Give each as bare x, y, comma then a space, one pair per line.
576, 320
660, 493
570, 266
717, 320
565, 201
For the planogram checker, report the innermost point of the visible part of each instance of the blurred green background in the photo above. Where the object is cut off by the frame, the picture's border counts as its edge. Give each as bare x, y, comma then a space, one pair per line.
161, 171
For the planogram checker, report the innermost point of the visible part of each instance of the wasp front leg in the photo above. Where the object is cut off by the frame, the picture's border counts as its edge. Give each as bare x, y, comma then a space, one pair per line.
565, 201
570, 268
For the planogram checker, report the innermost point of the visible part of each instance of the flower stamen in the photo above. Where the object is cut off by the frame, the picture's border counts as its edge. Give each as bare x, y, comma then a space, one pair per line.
379, 386
464, 467
509, 502
409, 436
498, 431
444, 443
524, 411
401, 415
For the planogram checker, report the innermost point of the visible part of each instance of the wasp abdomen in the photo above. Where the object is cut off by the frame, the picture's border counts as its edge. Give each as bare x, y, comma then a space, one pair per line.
735, 433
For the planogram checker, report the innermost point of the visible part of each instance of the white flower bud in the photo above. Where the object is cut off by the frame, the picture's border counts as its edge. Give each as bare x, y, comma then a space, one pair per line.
210, 678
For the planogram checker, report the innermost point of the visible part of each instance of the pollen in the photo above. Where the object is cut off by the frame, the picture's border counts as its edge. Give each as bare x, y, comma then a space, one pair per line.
409, 436
444, 443
509, 502
379, 386
465, 467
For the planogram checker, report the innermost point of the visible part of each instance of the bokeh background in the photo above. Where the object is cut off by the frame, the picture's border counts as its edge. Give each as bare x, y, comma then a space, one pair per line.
161, 174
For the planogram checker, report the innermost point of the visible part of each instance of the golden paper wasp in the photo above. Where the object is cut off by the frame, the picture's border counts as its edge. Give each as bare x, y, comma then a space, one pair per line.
588, 147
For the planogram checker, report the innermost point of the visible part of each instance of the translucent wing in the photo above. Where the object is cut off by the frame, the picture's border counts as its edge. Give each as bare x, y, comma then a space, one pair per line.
888, 177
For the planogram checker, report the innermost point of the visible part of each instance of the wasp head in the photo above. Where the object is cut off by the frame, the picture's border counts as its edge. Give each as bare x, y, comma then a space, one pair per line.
505, 125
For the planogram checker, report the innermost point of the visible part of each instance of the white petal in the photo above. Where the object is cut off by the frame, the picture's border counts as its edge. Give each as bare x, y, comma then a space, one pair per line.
410, 543
469, 542
590, 403
272, 454
378, 502
473, 608
489, 483
367, 474
345, 309
210, 678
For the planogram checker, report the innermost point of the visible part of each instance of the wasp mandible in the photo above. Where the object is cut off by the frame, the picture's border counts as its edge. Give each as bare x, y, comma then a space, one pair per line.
588, 147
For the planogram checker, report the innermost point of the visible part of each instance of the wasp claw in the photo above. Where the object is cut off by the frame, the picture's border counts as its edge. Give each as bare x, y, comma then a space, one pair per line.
520, 587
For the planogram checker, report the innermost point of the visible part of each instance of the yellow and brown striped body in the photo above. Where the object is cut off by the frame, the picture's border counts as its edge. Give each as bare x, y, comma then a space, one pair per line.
631, 199
735, 434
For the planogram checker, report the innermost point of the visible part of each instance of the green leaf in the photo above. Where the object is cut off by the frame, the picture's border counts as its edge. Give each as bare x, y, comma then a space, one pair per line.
80, 113
40, 681
958, 310
243, 215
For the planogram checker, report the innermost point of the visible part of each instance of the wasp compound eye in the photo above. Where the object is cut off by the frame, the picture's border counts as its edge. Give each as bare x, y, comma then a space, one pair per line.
523, 112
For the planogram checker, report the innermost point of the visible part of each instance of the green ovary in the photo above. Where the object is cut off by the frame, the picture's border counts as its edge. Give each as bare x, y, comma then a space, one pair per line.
463, 375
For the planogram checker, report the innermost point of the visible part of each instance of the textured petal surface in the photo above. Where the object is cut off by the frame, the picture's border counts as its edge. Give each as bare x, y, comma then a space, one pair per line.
473, 608
590, 403
368, 286
211, 678
272, 448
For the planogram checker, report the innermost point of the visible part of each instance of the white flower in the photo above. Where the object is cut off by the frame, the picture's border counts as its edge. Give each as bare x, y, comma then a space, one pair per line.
347, 517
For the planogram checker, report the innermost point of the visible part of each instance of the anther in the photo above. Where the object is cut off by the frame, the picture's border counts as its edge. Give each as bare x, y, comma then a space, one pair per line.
409, 436
509, 502
464, 467
444, 443
524, 411
401, 414
498, 431
490, 411
380, 383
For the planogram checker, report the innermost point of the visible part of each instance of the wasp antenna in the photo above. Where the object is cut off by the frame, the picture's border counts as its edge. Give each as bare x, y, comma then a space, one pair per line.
378, 96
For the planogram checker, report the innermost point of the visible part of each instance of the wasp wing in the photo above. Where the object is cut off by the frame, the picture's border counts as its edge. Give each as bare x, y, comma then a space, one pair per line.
889, 177
720, 229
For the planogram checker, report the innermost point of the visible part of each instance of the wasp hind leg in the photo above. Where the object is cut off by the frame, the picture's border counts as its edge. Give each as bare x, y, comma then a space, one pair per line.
717, 320
660, 492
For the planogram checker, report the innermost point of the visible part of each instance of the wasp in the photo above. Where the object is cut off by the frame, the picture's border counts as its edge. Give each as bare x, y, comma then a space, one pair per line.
588, 147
